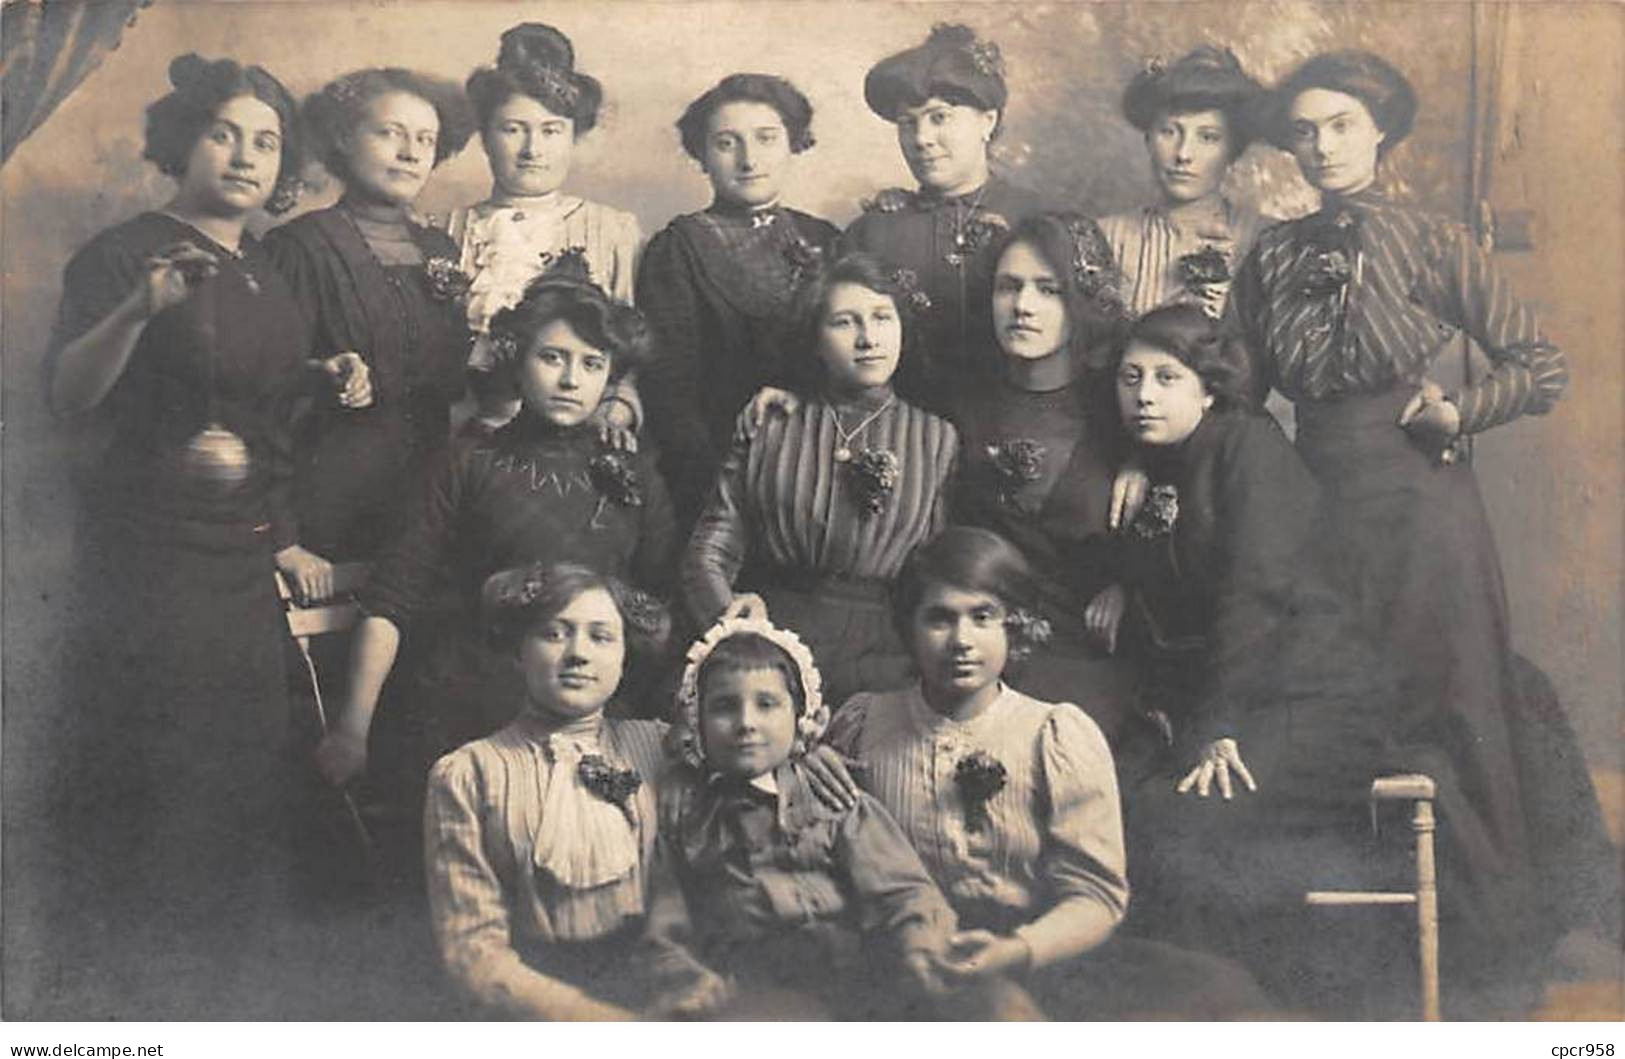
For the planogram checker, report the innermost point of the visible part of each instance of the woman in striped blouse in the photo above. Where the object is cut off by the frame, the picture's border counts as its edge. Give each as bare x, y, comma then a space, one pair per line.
817, 508
1195, 117
1346, 312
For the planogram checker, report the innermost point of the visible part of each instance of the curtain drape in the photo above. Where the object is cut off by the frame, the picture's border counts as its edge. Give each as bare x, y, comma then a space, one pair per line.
49, 47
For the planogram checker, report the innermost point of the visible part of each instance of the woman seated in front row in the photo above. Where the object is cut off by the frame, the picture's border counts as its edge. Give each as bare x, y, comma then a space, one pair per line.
817, 508
1012, 804
543, 487
538, 839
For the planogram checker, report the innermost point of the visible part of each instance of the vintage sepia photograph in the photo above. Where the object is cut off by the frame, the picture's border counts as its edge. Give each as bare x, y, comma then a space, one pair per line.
865, 511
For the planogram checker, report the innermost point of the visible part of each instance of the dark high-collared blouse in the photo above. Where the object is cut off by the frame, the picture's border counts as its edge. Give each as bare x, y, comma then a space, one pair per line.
947, 242
527, 493
1364, 294
716, 287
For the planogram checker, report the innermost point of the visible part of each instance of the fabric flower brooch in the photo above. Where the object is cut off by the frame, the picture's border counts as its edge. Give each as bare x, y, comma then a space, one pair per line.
447, 282
979, 776
874, 474
1158, 514
617, 786
1335, 257
1017, 462
614, 476
1203, 268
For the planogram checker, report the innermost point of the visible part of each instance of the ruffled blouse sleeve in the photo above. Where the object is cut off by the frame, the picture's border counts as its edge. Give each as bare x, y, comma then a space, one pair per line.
1082, 859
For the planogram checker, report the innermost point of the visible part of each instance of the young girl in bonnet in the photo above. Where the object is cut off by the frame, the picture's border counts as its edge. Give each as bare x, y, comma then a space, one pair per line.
760, 881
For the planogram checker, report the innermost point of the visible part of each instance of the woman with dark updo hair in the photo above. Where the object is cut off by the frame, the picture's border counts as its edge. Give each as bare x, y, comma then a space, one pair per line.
1354, 313
532, 108
369, 278
543, 487
717, 284
1197, 117
176, 328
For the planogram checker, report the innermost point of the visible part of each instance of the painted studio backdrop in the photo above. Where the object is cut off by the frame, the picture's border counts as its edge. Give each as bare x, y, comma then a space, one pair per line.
1518, 133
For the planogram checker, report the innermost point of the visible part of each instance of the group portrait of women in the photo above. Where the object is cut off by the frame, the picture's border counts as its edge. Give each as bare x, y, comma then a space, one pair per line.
1083, 666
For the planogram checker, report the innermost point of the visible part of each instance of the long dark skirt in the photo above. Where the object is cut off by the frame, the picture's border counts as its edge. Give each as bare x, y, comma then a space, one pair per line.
1419, 555
848, 627
186, 777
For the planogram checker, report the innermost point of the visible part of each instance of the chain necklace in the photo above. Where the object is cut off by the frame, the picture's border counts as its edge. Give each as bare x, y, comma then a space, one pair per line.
962, 218
844, 437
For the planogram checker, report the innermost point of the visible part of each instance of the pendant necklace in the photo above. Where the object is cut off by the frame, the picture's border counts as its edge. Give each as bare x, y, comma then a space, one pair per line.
962, 243
844, 437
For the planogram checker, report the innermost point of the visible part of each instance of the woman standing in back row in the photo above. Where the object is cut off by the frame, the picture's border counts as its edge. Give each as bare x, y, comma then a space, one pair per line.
1195, 115
1348, 312
717, 285
533, 107
946, 97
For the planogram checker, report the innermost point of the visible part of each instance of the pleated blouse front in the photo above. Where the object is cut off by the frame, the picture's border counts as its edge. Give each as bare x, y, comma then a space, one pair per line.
1054, 829
782, 500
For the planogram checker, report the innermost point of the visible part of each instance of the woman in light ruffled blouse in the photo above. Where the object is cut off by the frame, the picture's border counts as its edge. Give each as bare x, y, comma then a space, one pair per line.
533, 106
537, 839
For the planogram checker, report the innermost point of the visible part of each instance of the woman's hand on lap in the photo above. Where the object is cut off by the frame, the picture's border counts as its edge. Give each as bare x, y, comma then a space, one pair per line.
974, 955
1219, 758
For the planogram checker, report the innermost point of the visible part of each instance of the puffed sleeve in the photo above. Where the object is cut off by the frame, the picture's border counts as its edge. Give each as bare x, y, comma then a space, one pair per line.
295, 260
722, 537
1530, 373
407, 571
96, 280
845, 731
896, 895
467, 910
1082, 857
